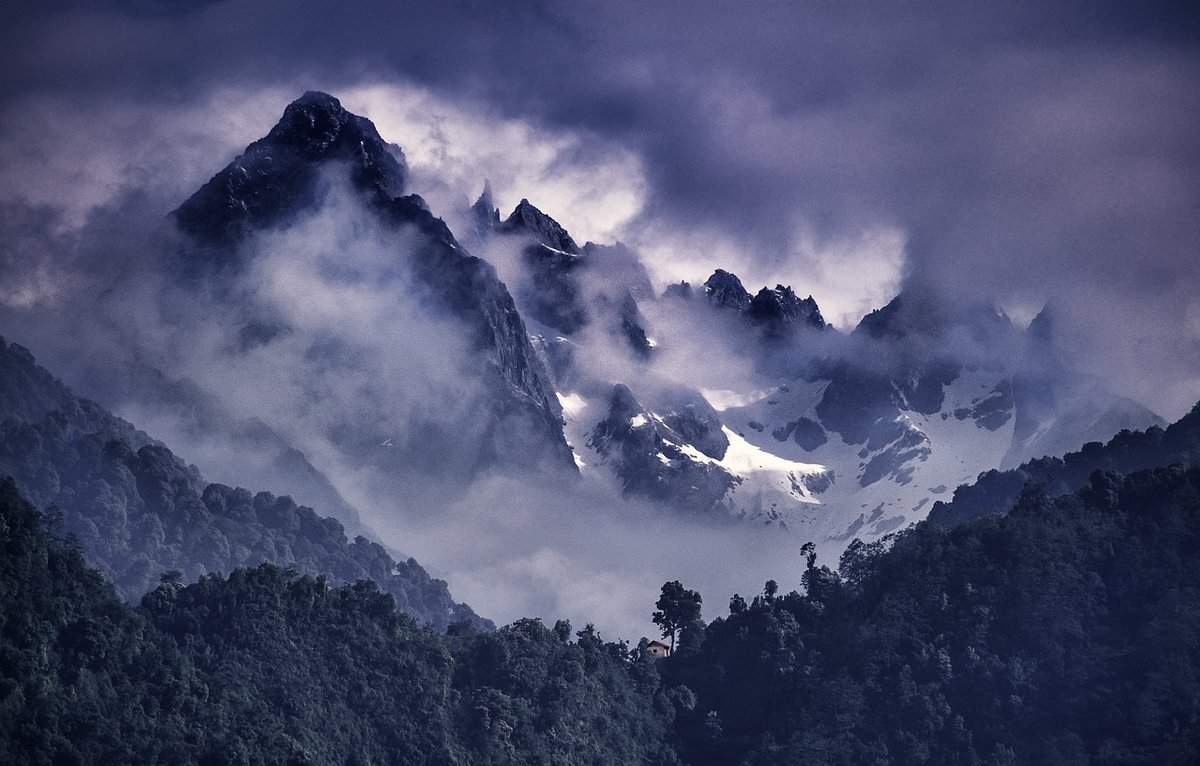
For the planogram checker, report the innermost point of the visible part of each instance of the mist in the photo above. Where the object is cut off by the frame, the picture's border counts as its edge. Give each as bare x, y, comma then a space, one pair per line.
874, 173
362, 374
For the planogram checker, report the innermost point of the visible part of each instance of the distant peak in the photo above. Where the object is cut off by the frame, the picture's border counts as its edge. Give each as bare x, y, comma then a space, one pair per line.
781, 306
1042, 327
725, 290
526, 218
487, 217
485, 197
923, 312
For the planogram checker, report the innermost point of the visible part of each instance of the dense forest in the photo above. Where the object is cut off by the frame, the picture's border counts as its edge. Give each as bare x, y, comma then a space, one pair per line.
1064, 632
137, 510
270, 667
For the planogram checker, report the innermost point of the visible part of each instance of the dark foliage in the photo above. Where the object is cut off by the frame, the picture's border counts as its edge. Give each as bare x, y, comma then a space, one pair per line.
269, 667
137, 510
1067, 632
996, 491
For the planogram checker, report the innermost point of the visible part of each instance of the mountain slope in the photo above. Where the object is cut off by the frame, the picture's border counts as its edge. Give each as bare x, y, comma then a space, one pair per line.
267, 667
859, 433
1066, 632
138, 510
290, 175
995, 491
564, 288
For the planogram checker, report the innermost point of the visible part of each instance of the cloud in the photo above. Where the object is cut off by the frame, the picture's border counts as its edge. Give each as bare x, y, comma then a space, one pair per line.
453, 145
1020, 152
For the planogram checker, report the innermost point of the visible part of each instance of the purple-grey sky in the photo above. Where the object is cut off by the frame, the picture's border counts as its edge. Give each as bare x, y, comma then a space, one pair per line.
1019, 151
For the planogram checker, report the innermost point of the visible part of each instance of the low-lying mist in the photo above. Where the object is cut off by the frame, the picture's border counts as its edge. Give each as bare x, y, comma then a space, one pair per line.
326, 341
346, 362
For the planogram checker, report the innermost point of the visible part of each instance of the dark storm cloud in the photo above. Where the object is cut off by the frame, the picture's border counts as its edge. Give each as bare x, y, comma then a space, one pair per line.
1026, 151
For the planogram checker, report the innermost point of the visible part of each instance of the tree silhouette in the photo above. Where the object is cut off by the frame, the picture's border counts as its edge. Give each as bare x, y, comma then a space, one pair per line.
677, 607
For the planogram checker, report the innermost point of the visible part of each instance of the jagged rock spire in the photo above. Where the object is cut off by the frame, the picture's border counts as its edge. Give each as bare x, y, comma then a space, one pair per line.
526, 218
276, 176
484, 213
780, 307
725, 290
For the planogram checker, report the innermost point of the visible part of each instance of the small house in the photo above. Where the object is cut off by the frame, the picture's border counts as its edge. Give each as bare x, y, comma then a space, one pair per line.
657, 649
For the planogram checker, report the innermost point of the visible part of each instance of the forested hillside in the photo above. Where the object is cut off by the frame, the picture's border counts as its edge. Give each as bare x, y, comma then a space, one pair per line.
269, 667
995, 491
1065, 632
137, 510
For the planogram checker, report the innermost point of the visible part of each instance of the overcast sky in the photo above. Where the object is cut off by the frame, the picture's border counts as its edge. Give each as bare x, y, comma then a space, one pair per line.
1015, 151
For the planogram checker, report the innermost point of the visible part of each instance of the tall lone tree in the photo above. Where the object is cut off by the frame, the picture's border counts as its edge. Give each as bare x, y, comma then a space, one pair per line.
678, 607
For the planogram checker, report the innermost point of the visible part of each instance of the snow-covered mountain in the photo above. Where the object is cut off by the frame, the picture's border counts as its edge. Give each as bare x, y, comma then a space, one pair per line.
835, 435
584, 366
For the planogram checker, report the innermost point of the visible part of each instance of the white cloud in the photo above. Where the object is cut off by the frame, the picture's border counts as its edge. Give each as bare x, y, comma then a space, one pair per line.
592, 188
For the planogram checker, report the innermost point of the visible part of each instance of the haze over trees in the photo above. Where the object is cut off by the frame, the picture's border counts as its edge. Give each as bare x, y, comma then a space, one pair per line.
1065, 632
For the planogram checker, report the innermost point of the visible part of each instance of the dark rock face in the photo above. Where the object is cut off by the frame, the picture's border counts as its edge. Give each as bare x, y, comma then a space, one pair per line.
993, 410
554, 296
854, 401
525, 417
689, 414
679, 291
778, 309
277, 179
484, 213
630, 325
805, 432
645, 453
776, 313
137, 510
568, 287
725, 291
527, 219
276, 176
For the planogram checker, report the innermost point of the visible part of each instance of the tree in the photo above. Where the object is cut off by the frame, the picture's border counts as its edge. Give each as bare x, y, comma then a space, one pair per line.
677, 607
737, 604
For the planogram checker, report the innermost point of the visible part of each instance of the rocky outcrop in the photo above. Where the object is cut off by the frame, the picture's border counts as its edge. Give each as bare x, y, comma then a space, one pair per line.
283, 177
650, 456
564, 287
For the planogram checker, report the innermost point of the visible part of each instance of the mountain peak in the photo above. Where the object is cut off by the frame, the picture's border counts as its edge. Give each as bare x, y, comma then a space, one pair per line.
923, 313
725, 290
1041, 329
485, 196
276, 176
780, 307
484, 213
315, 119
527, 219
